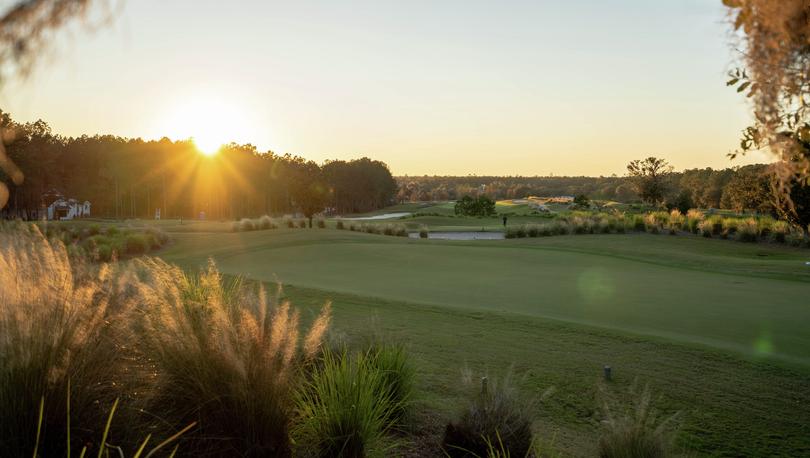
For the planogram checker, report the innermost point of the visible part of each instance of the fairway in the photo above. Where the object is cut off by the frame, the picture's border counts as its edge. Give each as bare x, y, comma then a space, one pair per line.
750, 300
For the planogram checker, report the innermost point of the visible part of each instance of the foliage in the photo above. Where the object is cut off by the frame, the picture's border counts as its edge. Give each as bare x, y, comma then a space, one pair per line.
345, 409
774, 35
581, 202
423, 232
682, 202
475, 206
749, 189
131, 177
398, 377
650, 176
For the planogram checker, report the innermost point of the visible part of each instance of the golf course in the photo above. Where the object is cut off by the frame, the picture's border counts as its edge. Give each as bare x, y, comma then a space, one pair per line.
715, 328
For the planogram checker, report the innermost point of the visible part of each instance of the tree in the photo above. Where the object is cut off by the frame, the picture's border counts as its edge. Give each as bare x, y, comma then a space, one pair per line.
776, 62
475, 206
650, 178
682, 201
309, 190
749, 189
581, 202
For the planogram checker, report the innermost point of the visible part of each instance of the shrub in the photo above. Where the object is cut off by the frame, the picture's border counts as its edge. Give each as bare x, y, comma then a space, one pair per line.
345, 409
104, 252
321, 223
729, 226
136, 244
423, 232
638, 223
706, 227
159, 236
580, 225
635, 431
495, 415
289, 222
265, 222
747, 230
62, 326
779, 231
340, 224
223, 354
93, 229
112, 231
302, 223
532, 230
398, 377
794, 239
716, 224
247, 224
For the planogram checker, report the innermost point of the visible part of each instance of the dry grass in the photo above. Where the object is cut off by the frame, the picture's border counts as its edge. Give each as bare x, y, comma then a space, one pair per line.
175, 348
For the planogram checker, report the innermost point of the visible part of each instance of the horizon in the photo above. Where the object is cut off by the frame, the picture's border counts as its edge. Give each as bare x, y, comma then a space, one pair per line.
438, 98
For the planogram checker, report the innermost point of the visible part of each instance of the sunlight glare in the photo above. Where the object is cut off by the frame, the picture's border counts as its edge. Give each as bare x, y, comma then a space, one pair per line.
210, 122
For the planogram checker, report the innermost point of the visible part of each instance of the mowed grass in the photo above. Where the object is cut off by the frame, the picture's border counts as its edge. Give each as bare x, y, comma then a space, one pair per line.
750, 299
717, 328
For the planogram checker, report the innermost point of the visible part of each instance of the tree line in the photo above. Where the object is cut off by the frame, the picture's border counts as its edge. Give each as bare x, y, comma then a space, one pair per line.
651, 181
131, 178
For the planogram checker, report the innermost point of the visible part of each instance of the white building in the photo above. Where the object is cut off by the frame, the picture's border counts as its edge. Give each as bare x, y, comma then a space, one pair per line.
67, 209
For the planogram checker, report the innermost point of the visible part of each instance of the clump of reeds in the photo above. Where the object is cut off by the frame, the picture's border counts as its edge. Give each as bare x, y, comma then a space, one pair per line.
496, 414
223, 354
62, 331
635, 430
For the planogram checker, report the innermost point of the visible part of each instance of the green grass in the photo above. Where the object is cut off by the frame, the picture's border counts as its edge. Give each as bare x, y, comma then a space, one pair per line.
745, 298
717, 327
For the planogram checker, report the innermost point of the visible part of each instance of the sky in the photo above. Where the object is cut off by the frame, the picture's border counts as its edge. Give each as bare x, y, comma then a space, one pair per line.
578, 87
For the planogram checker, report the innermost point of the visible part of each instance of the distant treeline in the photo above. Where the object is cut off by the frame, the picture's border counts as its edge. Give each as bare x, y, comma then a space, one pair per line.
739, 188
131, 178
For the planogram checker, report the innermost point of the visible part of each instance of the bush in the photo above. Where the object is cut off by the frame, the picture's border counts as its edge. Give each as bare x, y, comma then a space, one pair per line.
265, 222
93, 229
716, 224
706, 227
398, 377
340, 224
495, 415
729, 226
136, 244
532, 230
779, 231
246, 224
289, 222
112, 231
747, 230
638, 223
635, 431
161, 238
223, 354
302, 224
345, 409
321, 223
104, 252
423, 232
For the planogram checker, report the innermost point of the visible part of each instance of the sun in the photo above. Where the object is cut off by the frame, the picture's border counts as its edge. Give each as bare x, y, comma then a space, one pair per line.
209, 121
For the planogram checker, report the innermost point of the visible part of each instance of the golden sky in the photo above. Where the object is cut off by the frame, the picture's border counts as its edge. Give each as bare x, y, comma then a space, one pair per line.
452, 87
